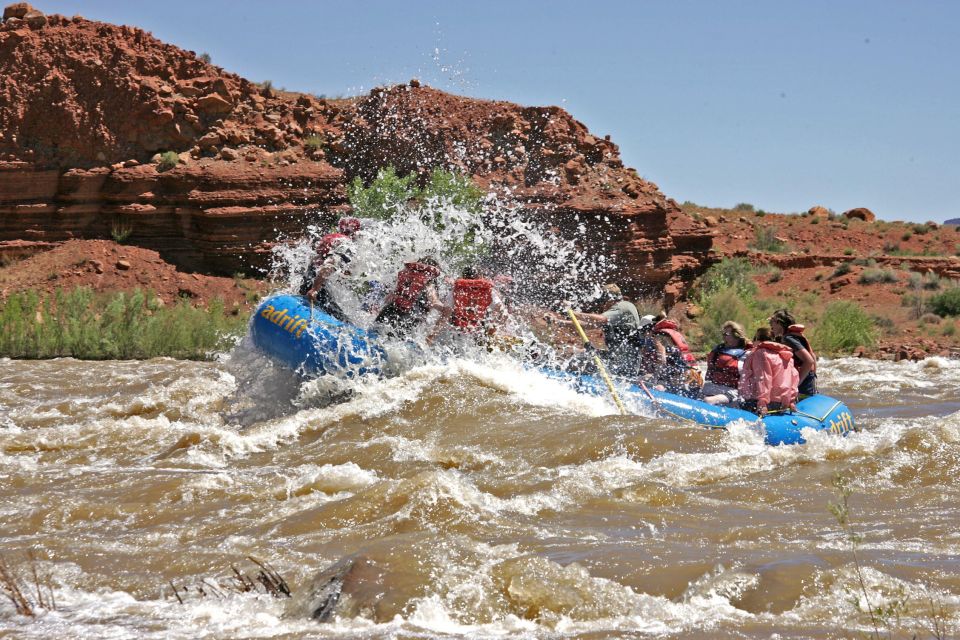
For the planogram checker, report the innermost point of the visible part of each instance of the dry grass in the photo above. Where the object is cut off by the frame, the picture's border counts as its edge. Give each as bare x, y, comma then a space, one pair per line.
26, 598
264, 579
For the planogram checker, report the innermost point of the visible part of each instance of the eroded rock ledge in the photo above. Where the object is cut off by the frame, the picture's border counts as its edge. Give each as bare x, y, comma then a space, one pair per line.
86, 107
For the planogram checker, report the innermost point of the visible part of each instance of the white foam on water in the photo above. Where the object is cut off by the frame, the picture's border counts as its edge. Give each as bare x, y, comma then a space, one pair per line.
934, 377
840, 601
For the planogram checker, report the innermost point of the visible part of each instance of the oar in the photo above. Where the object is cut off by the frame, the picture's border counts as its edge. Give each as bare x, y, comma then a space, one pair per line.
598, 361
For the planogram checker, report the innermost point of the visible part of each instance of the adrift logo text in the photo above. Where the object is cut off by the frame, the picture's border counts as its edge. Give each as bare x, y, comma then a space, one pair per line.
280, 317
842, 424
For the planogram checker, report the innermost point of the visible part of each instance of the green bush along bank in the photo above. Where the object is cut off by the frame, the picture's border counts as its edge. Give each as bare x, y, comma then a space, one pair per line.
86, 325
728, 291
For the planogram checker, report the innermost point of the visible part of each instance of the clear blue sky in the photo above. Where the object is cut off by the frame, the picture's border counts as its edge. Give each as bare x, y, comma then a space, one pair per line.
781, 104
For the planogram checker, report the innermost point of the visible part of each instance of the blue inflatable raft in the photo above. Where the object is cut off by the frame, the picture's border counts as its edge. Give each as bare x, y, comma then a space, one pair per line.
289, 330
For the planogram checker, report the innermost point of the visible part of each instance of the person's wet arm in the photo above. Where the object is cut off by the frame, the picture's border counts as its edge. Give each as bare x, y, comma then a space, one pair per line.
807, 363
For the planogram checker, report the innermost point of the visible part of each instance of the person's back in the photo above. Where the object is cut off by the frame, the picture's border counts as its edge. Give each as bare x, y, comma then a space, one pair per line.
769, 379
331, 255
672, 362
472, 300
413, 297
787, 331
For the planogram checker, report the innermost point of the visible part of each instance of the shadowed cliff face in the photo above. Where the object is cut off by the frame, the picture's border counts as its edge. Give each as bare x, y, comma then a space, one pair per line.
88, 107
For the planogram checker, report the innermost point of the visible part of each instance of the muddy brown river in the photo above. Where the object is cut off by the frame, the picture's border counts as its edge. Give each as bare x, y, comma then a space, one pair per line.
472, 498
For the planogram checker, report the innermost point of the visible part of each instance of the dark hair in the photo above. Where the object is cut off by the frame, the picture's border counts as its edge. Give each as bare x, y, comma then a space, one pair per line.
469, 272
763, 334
429, 260
784, 317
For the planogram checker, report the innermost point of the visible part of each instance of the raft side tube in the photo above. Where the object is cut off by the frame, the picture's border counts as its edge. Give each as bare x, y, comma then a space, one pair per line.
307, 339
818, 412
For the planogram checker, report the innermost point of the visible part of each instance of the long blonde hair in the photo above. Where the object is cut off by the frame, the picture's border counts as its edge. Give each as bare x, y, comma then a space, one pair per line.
736, 330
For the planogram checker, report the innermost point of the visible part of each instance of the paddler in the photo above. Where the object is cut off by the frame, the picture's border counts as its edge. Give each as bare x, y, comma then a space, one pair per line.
332, 254
666, 358
473, 306
619, 321
414, 296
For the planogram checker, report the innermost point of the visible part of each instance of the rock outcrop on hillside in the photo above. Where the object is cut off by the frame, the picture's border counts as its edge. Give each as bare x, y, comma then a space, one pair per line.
87, 107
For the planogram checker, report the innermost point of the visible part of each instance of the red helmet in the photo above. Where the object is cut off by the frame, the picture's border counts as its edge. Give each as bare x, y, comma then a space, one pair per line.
348, 226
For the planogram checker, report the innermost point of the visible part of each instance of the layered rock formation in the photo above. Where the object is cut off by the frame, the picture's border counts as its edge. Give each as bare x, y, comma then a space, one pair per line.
106, 131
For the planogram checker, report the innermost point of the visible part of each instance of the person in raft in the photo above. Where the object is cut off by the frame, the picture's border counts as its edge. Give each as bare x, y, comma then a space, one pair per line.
787, 331
769, 379
331, 255
619, 321
667, 359
723, 366
473, 306
414, 296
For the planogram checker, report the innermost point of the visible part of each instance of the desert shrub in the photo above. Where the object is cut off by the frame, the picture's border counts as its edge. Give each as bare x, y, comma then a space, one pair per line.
842, 269
719, 308
930, 318
384, 197
121, 325
931, 281
388, 193
891, 247
844, 326
876, 276
727, 291
453, 188
815, 221
205, 57
946, 303
887, 325
761, 213
266, 85
765, 239
168, 160
920, 229
776, 275
743, 206
120, 230
949, 329
848, 251
906, 235
313, 142
729, 273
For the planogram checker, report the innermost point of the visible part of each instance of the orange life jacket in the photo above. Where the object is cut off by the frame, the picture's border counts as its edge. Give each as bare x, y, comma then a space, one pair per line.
723, 365
471, 300
411, 281
669, 328
796, 330
327, 243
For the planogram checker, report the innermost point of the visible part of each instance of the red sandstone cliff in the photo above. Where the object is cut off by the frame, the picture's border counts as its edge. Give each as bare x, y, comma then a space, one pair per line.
85, 107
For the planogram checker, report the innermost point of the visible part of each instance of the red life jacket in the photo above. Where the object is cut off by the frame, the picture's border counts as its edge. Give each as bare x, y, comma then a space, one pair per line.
411, 281
327, 243
471, 300
669, 328
796, 330
723, 365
